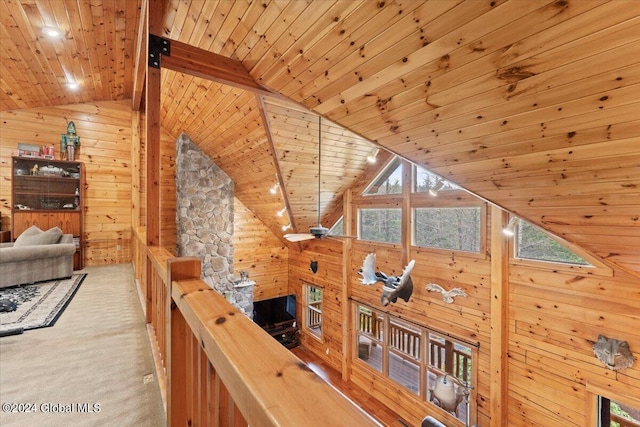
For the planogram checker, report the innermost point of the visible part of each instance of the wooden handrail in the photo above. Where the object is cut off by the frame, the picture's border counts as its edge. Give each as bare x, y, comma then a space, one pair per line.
314, 314
209, 350
275, 390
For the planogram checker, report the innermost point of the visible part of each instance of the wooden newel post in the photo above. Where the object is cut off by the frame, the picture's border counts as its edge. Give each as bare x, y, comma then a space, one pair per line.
177, 350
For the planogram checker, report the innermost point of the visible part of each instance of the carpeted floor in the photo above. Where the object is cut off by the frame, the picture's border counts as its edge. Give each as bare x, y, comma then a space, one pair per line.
92, 368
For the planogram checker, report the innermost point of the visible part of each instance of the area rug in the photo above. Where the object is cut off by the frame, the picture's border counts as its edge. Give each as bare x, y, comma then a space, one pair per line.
38, 305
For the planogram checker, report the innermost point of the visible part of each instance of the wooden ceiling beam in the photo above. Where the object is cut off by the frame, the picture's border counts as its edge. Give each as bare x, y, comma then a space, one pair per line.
201, 63
140, 59
272, 148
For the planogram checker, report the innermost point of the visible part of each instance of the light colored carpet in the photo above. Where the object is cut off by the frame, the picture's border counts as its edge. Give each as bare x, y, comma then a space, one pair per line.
97, 356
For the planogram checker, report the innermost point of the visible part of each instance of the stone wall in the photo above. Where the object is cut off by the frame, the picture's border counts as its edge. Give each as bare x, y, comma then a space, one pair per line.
204, 219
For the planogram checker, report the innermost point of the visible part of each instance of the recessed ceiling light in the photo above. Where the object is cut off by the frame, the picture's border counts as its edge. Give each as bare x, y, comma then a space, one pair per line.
52, 32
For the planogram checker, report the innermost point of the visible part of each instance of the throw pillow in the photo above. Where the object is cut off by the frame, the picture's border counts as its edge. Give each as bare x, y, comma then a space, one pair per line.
27, 235
34, 236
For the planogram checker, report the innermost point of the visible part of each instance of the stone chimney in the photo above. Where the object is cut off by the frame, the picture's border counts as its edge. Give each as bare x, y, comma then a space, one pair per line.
204, 216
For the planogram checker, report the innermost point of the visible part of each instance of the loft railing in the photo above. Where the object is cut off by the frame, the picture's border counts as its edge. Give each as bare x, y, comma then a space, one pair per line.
221, 368
151, 273
441, 355
139, 255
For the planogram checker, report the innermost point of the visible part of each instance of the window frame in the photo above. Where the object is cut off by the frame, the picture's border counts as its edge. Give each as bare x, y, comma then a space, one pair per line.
317, 334
360, 208
612, 392
595, 266
481, 226
516, 246
340, 221
447, 186
452, 199
386, 170
424, 364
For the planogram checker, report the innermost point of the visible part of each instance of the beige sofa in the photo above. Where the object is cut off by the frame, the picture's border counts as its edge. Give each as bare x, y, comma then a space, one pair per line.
30, 260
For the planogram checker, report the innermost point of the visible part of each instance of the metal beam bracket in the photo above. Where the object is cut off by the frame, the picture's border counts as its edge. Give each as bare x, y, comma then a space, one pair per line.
158, 46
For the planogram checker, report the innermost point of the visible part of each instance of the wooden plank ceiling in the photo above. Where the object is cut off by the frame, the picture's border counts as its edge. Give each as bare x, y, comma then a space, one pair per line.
532, 105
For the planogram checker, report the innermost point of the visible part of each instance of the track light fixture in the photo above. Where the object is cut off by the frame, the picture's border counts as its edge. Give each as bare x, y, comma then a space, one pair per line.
274, 188
433, 192
282, 211
510, 229
372, 158
286, 227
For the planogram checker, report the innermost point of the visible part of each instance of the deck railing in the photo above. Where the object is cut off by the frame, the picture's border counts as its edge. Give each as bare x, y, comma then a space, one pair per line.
623, 422
371, 324
447, 358
314, 314
224, 370
405, 340
443, 356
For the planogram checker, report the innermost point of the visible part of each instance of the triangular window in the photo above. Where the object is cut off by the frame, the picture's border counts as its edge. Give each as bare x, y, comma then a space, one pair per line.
389, 181
427, 182
338, 228
534, 244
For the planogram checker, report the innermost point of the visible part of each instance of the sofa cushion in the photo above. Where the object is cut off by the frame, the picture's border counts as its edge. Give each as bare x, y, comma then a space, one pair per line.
34, 236
29, 232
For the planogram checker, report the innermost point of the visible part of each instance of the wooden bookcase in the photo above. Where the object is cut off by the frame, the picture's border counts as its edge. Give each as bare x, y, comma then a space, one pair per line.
50, 195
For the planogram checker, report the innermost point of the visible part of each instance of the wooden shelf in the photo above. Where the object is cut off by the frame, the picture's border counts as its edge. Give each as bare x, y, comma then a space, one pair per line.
45, 195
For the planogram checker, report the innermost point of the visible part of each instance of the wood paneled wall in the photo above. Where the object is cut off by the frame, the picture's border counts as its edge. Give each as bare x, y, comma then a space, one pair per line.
256, 248
105, 149
555, 313
555, 316
329, 255
467, 319
258, 251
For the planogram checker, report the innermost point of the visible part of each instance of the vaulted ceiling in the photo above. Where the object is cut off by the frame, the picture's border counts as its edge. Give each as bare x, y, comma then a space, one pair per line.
534, 106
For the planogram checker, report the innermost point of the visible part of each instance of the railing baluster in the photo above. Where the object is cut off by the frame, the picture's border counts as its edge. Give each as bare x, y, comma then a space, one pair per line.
239, 391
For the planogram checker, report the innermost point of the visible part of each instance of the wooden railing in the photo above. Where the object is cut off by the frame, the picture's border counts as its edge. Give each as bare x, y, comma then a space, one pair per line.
405, 340
213, 373
157, 298
443, 356
448, 359
623, 422
314, 314
371, 324
151, 272
139, 249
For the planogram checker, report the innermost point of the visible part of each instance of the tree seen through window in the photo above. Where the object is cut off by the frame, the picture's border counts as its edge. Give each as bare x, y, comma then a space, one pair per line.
380, 225
533, 243
389, 181
448, 228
